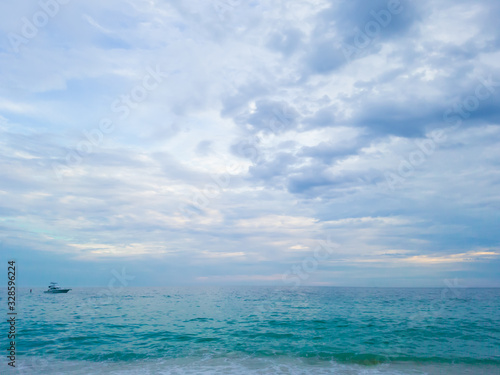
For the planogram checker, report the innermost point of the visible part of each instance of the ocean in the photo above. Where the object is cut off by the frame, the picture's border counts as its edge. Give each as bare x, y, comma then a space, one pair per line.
256, 330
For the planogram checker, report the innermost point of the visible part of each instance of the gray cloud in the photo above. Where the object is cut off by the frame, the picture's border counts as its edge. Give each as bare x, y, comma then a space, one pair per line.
266, 135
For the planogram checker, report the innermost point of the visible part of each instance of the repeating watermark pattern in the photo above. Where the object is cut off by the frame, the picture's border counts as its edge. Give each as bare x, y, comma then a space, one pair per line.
397, 346
302, 271
107, 296
299, 273
372, 29
30, 26
455, 116
462, 110
122, 106
407, 167
437, 306
201, 199
427, 317
393, 348
279, 120
223, 8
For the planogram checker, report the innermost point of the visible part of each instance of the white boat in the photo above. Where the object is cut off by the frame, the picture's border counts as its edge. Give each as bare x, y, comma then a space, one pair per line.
55, 288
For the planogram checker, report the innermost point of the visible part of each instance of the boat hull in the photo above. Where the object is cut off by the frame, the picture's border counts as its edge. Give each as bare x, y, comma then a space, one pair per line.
57, 291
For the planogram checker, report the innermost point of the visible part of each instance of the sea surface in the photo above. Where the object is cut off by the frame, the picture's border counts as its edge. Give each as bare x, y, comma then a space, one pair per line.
256, 330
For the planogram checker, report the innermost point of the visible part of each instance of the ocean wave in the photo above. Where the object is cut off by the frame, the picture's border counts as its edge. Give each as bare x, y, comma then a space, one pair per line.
243, 365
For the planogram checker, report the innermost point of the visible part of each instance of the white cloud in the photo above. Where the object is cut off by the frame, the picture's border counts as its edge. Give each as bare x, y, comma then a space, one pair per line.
260, 101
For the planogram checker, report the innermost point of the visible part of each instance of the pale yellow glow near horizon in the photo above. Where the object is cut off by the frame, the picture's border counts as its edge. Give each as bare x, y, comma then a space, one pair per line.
453, 258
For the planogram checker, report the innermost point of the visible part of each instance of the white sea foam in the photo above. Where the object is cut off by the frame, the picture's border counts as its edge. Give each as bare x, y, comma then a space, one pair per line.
227, 366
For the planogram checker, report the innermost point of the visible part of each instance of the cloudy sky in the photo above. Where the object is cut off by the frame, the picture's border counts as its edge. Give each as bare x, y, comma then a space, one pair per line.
350, 143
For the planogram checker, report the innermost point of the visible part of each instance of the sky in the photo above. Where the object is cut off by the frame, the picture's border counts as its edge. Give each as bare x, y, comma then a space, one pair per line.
232, 142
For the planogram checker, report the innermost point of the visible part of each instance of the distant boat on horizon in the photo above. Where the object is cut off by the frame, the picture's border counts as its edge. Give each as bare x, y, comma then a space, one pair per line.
55, 288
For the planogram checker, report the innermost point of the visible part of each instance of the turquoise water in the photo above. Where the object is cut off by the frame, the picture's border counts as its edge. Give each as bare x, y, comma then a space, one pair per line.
258, 330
